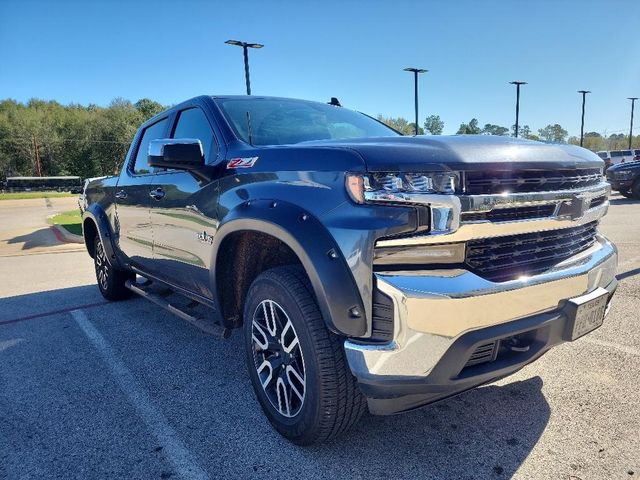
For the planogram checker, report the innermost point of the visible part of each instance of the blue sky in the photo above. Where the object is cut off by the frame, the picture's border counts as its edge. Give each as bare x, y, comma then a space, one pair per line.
93, 51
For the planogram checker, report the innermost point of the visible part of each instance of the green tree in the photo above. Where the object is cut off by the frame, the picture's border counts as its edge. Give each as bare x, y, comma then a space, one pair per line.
553, 133
492, 129
434, 125
148, 108
400, 124
524, 131
470, 128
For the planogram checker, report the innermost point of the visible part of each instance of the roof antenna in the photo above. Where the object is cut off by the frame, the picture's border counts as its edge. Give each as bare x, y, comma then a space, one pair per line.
249, 129
335, 102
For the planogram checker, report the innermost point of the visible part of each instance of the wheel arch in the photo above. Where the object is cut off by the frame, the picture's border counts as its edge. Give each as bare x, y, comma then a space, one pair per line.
95, 222
302, 239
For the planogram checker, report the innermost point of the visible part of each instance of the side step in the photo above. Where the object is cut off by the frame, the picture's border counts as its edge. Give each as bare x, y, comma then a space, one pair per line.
203, 324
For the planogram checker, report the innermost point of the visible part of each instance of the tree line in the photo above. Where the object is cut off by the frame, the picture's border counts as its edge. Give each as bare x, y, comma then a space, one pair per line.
47, 138
553, 133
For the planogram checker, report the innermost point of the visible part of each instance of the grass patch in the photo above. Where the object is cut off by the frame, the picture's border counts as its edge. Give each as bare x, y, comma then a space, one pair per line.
70, 221
28, 195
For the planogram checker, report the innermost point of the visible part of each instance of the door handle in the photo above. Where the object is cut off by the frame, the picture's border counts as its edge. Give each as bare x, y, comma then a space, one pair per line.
157, 194
121, 195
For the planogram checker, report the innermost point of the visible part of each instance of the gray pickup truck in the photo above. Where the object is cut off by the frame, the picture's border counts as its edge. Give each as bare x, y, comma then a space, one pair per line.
367, 270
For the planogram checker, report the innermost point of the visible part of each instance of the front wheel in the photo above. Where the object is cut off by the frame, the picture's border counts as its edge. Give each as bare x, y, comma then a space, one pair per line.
297, 367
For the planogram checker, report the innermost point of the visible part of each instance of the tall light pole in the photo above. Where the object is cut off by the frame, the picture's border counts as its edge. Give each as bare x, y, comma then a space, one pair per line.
245, 47
584, 94
633, 101
416, 71
517, 84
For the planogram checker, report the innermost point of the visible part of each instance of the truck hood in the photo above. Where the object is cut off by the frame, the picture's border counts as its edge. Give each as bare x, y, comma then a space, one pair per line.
462, 152
624, 166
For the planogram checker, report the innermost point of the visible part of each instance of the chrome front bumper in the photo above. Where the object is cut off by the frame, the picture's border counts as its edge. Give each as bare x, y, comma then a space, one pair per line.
432, 309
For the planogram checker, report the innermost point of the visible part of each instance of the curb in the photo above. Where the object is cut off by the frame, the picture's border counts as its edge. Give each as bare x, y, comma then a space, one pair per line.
64, 236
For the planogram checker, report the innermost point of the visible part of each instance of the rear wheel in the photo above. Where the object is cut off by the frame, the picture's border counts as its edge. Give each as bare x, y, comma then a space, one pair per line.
635, 189
297, 367
111, 280
625, 193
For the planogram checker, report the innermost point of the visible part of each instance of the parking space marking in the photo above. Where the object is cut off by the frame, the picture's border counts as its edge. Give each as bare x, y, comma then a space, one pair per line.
177, 453
617, 346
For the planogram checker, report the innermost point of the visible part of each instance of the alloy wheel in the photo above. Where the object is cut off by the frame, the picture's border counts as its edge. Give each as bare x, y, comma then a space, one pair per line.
278, 358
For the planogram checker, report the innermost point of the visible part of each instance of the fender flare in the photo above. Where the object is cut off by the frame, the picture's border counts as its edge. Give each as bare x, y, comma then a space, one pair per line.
96, 214
331, 279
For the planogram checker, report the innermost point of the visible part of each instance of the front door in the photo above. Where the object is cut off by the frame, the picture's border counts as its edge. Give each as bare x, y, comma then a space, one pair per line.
132, 199
184, 213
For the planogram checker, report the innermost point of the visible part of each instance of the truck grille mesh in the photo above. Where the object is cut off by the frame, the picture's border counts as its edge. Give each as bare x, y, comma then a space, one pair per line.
500, 259
492, 182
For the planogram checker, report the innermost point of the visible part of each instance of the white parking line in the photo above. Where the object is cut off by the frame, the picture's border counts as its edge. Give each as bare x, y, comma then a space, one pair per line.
617, 346
177, 453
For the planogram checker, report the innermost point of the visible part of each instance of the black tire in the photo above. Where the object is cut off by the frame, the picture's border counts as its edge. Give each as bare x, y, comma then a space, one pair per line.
331, 401
111, 280
626, 193
635, 190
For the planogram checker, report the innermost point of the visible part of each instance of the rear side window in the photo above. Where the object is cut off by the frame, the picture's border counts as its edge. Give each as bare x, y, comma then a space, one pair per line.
193, 123
616, 153
153, 132
627, 152
603, 155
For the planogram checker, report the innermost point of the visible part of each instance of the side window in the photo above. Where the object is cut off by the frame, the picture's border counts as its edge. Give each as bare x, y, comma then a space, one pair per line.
153, 132
192, 123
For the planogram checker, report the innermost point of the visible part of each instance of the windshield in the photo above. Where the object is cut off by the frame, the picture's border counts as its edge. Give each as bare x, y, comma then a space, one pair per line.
275, 121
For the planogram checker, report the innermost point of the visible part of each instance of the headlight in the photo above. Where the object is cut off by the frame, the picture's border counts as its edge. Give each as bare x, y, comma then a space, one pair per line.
400, 187
623, 175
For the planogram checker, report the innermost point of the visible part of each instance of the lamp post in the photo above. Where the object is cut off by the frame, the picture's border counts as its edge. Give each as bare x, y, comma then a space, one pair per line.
584, 94
245, 48
415, 71
517, 84
633, 101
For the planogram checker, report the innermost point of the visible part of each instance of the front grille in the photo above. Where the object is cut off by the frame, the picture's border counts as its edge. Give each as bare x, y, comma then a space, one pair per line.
501, 181
510, 214
500, 259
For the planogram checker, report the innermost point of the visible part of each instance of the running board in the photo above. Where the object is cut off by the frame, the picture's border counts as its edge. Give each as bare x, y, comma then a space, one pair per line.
201, 323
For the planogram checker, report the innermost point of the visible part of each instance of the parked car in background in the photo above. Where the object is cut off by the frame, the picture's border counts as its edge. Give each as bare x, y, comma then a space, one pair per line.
625, 178
636, 154
606, 156
621, 156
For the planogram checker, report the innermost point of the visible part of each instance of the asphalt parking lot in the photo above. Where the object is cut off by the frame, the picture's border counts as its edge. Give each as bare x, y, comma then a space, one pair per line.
90, 389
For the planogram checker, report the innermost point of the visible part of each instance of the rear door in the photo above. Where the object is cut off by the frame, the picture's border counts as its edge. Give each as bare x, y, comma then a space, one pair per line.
132, 198
184, 212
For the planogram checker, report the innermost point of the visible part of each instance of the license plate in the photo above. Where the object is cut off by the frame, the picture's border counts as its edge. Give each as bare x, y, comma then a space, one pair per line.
588, 313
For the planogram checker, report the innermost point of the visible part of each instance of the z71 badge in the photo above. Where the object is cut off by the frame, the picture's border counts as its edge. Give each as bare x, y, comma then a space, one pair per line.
242, 162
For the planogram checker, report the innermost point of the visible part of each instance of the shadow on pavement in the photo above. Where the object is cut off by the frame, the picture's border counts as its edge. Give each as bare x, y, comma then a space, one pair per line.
623, 201
43, 237
628, 273
482, 433
25, 307
201, 386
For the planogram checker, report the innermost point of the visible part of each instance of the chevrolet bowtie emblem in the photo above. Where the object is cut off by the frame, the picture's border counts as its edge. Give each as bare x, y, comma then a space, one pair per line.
575, 208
